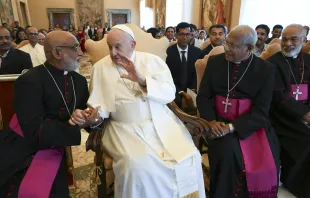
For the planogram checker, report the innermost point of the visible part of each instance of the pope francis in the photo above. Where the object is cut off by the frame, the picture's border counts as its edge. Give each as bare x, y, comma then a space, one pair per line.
154, 155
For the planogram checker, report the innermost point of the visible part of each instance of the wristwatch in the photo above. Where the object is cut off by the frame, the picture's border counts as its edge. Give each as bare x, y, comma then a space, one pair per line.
231, 128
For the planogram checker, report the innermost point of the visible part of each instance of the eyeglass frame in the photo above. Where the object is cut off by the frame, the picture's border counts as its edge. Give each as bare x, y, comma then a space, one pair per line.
74, 47
33, 34
183, 34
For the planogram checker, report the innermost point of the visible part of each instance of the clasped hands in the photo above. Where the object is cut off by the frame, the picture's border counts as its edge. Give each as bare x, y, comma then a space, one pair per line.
85, 118
218, 129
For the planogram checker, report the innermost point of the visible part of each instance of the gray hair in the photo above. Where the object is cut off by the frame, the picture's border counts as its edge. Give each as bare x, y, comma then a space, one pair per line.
247, 34
299, 27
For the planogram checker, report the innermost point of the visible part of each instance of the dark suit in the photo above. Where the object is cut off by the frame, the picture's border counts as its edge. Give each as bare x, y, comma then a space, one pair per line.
15, 62
173, 61
206, 51
91, 34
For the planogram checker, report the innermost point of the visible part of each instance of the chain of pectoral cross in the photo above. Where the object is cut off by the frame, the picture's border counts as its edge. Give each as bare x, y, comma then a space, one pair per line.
227, 103
297, 92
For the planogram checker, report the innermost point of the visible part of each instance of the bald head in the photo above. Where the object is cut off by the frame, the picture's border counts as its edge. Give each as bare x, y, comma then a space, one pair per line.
121, 42
57, 38
293, 38
62, 50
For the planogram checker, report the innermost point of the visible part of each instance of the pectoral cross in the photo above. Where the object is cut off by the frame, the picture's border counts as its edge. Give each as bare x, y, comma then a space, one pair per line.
226, 103
296, 93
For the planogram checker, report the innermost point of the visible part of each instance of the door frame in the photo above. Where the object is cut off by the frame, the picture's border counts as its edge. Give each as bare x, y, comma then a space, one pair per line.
51, 11
110, 12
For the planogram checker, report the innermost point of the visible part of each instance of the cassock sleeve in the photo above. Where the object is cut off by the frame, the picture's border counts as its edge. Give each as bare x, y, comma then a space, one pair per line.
248, 123
159, 82
29, 107
205, 96
283, 101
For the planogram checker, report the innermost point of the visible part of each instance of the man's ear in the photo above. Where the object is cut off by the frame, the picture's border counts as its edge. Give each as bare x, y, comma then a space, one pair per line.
56, 53
250, 48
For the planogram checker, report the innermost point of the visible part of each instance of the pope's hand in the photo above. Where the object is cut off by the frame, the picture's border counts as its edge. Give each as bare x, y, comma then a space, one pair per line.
133, 74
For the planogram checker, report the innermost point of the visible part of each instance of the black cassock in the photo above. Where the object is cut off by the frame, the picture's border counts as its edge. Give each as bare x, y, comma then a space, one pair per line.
286, 115
43, 118
225, 156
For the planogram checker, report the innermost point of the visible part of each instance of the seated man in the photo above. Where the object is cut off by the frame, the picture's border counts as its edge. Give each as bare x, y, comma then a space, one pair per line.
153, 153
234, 96
44, 99
262, 31
290, 115
217, 35
181, 58
276, 33
33, 48
12, 61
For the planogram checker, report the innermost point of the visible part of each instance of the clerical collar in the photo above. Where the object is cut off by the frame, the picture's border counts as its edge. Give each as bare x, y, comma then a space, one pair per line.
244, 61
54, 70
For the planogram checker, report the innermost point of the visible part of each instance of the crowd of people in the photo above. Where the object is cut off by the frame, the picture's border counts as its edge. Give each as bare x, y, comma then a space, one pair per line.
257, 110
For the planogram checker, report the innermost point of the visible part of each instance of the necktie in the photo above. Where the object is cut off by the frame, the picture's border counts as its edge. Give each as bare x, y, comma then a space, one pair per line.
183, 71
2, 61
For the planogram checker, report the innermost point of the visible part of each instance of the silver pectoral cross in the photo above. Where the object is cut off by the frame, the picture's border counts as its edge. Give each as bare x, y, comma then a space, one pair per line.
296, 93
226, 103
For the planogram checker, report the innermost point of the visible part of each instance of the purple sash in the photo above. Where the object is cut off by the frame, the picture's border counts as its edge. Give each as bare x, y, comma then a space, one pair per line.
260, 169
301, 93
40, 176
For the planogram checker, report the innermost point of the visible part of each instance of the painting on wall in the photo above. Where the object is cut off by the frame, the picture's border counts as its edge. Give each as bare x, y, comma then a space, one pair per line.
90, 11
216, 12
6, 12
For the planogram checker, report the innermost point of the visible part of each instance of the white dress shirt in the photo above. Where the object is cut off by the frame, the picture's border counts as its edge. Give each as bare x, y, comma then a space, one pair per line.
180, 52
36, 53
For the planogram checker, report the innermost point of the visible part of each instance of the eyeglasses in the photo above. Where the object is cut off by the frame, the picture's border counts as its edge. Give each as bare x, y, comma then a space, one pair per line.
183, 34
74, 47
232, 46
292, 39
33, 34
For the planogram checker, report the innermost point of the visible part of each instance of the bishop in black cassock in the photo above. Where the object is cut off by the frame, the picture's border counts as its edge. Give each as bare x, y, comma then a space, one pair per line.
44, 99
290, 111
243, 150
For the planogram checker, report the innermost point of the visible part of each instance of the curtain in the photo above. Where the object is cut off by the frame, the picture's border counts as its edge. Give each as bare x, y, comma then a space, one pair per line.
149, 3
161, 13
216, 12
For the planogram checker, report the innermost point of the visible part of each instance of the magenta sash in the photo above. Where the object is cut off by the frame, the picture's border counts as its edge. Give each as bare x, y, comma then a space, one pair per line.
260, 169
302, 92
40, 176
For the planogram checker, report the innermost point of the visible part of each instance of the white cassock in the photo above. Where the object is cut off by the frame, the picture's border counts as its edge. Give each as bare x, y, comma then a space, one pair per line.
154, 155
36, 53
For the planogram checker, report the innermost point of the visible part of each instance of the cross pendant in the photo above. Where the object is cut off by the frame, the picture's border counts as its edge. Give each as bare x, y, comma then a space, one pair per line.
226, 103
296, 93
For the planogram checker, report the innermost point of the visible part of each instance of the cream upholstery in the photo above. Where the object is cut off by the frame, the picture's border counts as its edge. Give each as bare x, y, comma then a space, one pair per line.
271, 50
145, 43
205, 44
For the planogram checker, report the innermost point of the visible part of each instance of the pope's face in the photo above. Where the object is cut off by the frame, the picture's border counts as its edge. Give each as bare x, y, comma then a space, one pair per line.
120, 42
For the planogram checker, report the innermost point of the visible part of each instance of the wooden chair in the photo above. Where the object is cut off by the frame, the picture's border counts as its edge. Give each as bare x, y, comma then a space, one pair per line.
7, 111
145, 43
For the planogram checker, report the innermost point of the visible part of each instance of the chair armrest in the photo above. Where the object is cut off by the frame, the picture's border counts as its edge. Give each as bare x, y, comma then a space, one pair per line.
94, 140
197, 126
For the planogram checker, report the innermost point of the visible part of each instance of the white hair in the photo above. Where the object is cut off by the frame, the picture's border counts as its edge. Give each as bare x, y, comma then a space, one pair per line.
247, 34
299, 27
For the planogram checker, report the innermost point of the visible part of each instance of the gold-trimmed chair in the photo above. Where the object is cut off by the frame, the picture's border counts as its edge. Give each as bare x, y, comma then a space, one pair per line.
196, 126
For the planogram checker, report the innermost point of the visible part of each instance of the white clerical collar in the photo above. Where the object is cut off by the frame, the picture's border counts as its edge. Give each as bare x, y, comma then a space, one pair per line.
65, 72
180, 50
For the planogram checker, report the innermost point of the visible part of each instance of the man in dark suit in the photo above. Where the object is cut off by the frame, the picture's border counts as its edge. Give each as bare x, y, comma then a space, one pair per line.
92, 32
217, 37
181, 59
12, 61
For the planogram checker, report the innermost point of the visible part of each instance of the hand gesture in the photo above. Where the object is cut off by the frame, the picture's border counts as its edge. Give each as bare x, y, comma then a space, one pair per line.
133, 74
93, 115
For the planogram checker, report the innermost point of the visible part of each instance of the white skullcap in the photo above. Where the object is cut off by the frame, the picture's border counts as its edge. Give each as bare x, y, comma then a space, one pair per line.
125, 29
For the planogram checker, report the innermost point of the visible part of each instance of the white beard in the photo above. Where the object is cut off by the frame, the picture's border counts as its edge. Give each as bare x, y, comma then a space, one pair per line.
70, 65
293, 53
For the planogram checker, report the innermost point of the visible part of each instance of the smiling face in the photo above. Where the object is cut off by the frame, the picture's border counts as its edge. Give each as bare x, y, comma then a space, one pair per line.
292, 41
